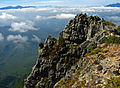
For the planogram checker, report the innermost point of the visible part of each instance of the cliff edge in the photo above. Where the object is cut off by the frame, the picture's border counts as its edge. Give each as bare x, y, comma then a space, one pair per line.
78, 57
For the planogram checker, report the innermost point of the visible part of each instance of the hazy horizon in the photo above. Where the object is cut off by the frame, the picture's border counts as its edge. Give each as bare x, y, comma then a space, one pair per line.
58, 2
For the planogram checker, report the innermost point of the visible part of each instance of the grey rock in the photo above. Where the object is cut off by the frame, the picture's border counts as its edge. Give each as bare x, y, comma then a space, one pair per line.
56, 60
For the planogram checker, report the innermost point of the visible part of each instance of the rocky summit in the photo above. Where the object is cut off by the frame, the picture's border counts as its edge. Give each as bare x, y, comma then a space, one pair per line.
86, 54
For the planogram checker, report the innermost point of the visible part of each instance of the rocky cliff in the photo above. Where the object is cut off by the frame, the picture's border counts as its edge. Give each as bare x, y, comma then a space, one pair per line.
75, 58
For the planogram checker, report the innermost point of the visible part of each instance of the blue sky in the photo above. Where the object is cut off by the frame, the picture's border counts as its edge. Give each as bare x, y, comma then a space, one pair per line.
57, 2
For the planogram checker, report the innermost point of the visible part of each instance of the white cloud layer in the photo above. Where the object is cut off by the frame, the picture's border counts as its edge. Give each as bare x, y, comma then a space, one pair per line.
58, 16
36, 39
1, 37
49, 12
17, 38
65, 16
22, 26
65, 9
29, 10
6, 16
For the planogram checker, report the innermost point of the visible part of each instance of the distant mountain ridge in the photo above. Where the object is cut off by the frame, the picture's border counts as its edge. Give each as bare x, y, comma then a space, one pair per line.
113, 5
22, 7
16, 7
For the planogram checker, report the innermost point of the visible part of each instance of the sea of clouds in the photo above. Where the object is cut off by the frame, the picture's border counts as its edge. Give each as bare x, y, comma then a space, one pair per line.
27, 19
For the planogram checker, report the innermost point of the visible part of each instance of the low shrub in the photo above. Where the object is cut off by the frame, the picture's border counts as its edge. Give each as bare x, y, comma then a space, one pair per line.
95, 51
54, 50
113, 83
118, 29
109, 23
61, 41
112, 39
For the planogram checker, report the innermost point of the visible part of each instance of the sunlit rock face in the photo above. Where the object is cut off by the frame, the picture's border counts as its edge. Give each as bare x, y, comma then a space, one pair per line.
60, 58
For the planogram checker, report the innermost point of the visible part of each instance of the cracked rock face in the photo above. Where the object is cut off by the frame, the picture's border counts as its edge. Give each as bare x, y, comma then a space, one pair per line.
56, 56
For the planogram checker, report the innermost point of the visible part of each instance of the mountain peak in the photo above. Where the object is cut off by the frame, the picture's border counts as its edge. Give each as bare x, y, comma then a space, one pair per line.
16, 7
59, 58
82, 26
114, 5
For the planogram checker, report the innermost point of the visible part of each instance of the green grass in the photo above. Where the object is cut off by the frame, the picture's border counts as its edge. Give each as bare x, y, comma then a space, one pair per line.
112, 39
113, 83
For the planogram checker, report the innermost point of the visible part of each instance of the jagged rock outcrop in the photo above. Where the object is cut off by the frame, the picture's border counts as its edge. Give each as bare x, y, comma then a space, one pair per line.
101, 70
57, 56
